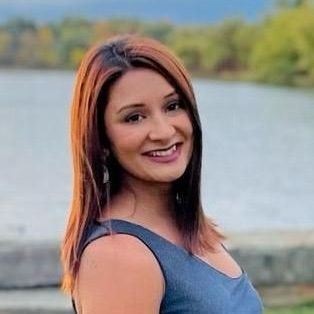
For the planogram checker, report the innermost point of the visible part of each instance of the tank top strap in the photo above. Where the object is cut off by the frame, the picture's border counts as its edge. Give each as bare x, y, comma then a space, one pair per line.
151, 239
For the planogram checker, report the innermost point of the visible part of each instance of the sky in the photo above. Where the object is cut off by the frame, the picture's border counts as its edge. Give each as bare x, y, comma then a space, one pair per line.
177, 11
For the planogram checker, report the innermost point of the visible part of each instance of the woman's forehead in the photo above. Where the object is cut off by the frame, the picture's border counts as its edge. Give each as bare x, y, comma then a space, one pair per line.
139, 85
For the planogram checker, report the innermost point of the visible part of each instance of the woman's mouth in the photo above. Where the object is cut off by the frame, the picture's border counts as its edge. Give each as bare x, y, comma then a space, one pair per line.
168, 155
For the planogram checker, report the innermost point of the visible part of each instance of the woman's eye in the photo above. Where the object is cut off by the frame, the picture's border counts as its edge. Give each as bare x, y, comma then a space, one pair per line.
133, 118
174, 106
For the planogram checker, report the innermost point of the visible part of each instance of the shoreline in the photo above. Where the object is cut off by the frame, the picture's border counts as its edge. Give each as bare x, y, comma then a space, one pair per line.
224, 77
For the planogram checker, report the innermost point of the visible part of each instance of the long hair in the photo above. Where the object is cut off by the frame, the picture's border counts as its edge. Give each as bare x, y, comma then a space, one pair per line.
101, 66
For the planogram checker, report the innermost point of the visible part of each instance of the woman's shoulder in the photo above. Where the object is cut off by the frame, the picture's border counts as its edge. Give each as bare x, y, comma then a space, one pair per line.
113, 269
118, 250
117, 245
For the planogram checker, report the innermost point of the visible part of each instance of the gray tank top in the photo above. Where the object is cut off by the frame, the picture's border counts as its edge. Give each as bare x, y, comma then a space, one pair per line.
192, 285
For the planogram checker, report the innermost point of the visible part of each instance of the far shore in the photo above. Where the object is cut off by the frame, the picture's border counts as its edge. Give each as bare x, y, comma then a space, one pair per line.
225, 77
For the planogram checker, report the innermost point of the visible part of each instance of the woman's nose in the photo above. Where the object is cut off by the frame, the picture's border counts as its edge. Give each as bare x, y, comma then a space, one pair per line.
161, 128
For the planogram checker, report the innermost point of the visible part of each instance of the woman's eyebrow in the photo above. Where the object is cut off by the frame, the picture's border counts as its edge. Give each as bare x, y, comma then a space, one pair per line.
130, 106
173, 92
137, 105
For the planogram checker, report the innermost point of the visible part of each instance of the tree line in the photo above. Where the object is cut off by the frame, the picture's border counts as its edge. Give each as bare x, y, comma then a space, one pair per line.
278, 49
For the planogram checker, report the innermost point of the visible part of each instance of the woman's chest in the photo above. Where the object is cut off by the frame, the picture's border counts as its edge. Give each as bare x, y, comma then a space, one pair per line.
194, 288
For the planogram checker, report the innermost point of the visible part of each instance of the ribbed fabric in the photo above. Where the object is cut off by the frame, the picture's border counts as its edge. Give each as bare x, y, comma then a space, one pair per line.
192, 286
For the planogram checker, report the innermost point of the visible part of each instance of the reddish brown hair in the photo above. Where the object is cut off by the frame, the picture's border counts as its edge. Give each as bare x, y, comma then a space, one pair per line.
102, 65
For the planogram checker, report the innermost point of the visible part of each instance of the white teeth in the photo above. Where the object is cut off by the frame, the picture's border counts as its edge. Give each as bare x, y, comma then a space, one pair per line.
164, 152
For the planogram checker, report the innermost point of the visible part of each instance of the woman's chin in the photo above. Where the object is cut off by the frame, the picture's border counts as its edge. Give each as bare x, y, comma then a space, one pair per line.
167, 177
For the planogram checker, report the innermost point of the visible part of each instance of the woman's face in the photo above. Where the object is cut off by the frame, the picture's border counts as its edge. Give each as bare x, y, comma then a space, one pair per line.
149, 129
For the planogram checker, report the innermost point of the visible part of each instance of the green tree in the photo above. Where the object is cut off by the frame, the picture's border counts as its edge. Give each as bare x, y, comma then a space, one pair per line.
47, 53
159, 30
6, 48
284, 50
189, 43
228, 46
293, 3
72, 34
27, 50
17, 29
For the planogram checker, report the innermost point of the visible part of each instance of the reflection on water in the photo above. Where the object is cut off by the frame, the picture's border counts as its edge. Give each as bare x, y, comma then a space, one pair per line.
258, 165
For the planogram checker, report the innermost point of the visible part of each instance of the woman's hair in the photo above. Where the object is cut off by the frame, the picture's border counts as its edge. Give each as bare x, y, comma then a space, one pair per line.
102, 65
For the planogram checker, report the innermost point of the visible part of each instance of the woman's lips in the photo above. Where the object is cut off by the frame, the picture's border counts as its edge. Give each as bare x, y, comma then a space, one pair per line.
161, 149
168, 158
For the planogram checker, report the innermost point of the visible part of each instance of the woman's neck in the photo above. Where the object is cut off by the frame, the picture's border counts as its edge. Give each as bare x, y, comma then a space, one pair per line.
142, 201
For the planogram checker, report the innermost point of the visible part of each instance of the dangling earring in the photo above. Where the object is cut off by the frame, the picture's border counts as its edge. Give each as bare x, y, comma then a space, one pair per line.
106, 183
178, 198
105, 168
105, 175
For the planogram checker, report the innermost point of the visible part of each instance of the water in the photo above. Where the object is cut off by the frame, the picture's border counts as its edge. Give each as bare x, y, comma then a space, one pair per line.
258, 165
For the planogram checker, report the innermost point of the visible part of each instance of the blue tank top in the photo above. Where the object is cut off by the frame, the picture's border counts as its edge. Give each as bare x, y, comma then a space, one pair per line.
191, 285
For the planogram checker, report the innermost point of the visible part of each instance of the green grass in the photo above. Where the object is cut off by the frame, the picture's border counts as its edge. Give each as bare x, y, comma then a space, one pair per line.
306, 308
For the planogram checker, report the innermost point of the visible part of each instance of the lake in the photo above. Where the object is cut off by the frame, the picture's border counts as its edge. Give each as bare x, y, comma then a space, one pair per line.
258, 149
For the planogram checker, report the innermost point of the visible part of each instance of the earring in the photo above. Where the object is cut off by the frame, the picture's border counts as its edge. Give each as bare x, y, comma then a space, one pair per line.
105, 175
178, 198
105, 168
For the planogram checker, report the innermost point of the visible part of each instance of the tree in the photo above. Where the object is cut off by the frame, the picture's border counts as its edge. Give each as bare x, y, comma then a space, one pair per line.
72, 34
293, 3
284, 50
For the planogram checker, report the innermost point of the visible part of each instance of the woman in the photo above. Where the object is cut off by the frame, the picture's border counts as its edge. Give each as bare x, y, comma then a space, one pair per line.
137, 240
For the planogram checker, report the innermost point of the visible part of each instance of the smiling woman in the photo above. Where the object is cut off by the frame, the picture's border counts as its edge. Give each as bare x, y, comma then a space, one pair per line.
137, 239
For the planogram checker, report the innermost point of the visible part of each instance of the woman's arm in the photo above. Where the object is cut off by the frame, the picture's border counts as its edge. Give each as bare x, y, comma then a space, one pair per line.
119, 274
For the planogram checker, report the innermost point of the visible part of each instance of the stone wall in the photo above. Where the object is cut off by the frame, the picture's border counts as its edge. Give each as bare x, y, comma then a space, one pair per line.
280, 265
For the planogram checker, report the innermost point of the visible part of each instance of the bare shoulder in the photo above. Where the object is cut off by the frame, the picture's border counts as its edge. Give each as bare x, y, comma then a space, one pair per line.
119, 274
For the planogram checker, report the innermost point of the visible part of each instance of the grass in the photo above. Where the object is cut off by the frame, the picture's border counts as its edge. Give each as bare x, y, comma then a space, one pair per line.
306, 308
